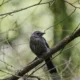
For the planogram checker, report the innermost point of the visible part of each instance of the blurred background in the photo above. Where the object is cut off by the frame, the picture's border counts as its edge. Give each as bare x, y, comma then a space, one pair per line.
59, 17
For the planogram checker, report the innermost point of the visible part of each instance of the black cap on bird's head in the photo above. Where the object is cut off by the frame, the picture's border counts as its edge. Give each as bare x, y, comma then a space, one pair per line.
38, 33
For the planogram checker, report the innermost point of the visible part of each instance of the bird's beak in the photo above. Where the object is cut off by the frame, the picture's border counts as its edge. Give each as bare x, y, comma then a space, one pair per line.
43, 33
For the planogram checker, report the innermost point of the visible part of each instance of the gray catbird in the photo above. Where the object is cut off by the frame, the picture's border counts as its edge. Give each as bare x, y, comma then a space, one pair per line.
39, 46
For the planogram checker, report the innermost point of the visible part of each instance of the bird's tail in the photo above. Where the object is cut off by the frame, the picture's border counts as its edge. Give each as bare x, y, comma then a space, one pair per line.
50, 66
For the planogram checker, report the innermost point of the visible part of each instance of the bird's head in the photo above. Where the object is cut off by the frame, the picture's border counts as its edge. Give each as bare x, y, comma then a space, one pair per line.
38, 33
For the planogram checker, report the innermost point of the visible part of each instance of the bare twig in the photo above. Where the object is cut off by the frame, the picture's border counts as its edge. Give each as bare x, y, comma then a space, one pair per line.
25, 77
15, 11
61, 20
4, 2
72, 5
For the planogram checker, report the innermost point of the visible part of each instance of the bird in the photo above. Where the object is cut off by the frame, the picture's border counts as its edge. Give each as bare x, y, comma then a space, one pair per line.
39, 46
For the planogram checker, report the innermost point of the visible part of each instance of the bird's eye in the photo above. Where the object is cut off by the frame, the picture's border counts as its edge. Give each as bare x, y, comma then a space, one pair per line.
38, 33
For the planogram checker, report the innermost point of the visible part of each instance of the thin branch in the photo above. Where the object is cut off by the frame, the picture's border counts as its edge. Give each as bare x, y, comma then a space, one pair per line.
5, 63
15, 11
61, 20
4, 2
25, 77
9, 73
72, 4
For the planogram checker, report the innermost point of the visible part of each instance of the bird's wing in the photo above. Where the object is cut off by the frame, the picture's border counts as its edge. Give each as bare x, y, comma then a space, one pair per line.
46, 43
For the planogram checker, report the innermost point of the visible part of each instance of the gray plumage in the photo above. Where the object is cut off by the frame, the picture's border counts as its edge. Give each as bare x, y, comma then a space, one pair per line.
37, 43
39, 46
